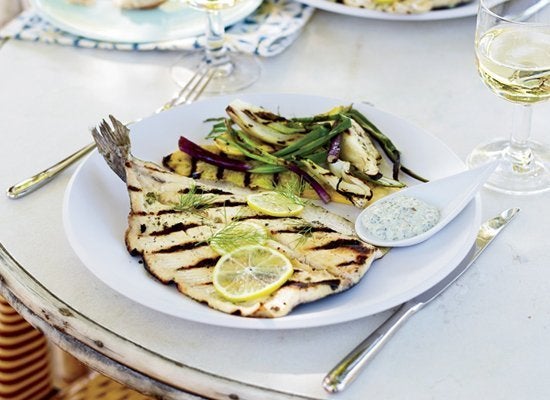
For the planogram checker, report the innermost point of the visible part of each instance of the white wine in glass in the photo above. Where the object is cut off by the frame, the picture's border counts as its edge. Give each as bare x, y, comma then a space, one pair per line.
230, 71
513, 60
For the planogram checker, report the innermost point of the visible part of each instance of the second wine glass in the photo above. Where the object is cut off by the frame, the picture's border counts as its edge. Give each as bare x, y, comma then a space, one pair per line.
228, 71
513, 59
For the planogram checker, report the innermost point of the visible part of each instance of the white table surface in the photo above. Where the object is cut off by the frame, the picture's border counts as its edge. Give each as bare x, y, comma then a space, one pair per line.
485, 338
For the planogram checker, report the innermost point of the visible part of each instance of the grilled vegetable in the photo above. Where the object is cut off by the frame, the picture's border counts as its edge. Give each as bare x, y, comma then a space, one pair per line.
385, 143
185, 165
262, 124
358, 195
319, 189
195, 150
342, 169
334, 149
334, 152
357, 148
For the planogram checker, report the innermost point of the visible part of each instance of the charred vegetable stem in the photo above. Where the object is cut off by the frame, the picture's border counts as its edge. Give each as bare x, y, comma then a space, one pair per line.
385, 143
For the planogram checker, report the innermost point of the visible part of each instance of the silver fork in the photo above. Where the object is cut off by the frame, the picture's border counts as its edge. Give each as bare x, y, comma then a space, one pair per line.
188, 94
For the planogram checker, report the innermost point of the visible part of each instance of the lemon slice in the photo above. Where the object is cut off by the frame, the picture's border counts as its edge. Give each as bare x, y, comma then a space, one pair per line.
238, 234
274, 204
250, 272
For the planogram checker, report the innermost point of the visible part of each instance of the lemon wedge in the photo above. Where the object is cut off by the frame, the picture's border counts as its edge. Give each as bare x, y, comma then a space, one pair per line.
274, 204
250, 272
238, 234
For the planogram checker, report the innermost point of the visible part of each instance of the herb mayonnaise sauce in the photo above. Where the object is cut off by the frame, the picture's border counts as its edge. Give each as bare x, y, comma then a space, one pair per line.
400, 217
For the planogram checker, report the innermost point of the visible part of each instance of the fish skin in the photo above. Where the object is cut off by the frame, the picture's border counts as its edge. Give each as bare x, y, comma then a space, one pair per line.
332, 260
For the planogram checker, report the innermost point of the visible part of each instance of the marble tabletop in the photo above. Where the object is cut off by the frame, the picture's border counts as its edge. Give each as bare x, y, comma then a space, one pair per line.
486, 337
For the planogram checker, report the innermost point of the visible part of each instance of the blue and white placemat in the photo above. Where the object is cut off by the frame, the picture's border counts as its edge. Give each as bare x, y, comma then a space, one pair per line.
268, 31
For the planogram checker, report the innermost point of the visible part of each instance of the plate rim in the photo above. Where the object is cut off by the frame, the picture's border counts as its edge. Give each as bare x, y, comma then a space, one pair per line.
287, 322
231, 16
466, 10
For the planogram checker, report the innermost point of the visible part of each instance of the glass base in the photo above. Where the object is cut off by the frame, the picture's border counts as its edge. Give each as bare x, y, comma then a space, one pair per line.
240, 72
530, 177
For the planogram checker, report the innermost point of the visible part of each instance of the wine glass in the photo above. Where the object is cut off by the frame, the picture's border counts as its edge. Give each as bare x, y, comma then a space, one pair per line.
228, 71
513, 59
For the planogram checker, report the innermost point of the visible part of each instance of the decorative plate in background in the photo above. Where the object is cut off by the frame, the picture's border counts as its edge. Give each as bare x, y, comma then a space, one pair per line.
106, 22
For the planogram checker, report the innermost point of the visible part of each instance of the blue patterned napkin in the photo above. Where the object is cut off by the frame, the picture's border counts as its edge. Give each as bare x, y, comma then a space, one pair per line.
267, 32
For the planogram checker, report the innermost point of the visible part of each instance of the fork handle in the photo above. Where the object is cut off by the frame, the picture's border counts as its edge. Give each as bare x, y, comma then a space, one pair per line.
34, 182
187, 94
348, 369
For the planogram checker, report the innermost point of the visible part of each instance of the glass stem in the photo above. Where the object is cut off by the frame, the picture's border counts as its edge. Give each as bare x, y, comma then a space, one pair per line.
216, 52
519, 152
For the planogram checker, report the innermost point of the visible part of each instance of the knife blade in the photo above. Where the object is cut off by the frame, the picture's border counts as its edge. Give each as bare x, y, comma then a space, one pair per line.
348, 369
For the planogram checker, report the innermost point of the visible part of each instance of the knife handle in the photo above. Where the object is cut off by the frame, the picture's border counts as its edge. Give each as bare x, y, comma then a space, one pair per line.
348, 369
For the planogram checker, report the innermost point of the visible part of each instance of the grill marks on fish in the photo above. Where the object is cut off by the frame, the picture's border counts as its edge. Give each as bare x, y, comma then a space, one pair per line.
180, 247
332, 283
204, 263
353, 243
173, 244
203, 190
177, 227
360, 259
306, 228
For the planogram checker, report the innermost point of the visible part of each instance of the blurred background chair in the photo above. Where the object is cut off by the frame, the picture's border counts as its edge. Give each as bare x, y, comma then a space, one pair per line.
33, 369
25, 370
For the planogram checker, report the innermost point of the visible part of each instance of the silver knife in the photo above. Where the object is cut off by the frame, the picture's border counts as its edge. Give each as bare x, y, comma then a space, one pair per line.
348, 369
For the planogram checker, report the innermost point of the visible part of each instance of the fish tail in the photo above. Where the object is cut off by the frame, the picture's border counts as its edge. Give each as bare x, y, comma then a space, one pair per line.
113, 143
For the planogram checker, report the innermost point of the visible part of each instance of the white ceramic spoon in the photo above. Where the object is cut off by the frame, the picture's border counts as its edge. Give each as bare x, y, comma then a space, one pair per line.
450, 195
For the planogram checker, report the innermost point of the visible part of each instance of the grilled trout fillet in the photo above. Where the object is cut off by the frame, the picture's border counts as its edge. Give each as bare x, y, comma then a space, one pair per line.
329, 259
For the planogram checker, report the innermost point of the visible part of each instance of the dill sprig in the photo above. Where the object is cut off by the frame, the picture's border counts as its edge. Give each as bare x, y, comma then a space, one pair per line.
305, 229
292, 190
236, 233
193, 201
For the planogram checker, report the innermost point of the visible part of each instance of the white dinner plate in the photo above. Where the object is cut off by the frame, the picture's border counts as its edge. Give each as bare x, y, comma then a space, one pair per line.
96, 207
464, 10
104, 21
